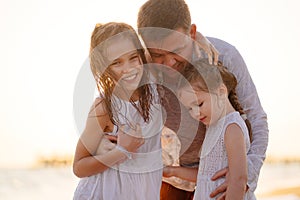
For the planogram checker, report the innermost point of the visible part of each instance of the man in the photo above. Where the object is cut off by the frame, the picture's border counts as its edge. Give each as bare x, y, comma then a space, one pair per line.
171, 48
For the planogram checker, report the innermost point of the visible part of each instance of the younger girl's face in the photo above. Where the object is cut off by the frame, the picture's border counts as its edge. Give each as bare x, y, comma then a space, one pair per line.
202, 106
126, 64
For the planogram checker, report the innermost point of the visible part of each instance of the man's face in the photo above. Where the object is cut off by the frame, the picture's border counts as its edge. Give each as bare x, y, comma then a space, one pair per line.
173, 51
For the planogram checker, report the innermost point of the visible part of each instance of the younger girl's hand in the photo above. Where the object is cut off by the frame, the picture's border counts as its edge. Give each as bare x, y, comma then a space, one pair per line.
131, 139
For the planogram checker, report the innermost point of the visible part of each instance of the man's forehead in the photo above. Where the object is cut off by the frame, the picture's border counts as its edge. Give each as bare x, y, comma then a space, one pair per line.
172, 41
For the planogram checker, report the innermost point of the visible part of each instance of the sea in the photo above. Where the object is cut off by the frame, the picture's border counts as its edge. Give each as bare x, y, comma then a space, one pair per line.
59, 183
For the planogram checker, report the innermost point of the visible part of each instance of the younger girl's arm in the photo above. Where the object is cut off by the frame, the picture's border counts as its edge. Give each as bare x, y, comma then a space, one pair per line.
189, 174
237, 162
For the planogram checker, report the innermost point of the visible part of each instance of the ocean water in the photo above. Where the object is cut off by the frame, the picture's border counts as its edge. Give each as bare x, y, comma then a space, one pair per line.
60, 183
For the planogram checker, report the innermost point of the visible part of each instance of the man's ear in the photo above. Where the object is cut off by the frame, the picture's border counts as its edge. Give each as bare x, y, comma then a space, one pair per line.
193, 31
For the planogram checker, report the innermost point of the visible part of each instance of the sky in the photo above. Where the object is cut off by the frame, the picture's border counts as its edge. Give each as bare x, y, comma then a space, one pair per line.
45, 44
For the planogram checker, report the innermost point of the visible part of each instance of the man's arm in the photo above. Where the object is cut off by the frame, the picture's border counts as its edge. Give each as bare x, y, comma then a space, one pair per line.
189, 174
248, 97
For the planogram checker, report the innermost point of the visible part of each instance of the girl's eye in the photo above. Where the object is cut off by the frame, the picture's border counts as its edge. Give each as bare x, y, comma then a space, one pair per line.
201, 104
115, 63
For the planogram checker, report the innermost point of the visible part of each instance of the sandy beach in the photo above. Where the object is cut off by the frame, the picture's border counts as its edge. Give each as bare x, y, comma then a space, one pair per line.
290, 193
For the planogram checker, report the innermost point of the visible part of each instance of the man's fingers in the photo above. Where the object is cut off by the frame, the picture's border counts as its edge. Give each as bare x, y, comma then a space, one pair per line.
222, 197
210, 58
216, 55
219, 174
221, 189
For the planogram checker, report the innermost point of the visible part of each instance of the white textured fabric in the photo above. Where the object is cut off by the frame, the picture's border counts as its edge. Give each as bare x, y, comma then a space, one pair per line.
214, 157
136, 179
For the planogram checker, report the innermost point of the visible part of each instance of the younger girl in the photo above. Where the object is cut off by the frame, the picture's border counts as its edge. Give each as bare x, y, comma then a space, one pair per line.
209, 94
127, 108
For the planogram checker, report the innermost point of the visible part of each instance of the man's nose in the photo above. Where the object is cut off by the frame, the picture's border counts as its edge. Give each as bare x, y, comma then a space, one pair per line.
169, 60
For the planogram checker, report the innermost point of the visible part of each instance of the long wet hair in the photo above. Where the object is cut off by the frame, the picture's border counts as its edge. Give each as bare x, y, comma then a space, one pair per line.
207, 78
101, 38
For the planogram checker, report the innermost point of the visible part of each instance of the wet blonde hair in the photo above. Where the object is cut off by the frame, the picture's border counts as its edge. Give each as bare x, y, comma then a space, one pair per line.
205, 77
101, 38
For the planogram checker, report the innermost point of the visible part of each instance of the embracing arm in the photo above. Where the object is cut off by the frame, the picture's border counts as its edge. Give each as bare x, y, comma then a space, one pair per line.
189, 174
86, 162
248, 97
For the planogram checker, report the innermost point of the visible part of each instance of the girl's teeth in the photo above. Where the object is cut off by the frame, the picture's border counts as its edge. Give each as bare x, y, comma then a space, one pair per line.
130, 77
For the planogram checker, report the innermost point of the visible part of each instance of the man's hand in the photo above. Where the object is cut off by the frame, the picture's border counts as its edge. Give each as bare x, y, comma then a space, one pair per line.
209, 49
221, 189
168, 171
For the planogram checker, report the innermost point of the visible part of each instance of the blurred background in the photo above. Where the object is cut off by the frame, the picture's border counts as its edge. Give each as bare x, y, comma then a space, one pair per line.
45, 44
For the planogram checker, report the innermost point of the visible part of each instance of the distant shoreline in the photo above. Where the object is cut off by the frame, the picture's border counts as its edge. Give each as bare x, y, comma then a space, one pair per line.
282, 191
66, 160
283, 160
54, 161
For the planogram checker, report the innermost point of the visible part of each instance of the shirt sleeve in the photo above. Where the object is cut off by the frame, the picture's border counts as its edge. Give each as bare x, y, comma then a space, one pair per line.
248, 97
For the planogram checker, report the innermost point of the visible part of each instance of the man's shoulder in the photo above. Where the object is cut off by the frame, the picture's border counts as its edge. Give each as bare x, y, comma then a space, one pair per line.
221, 44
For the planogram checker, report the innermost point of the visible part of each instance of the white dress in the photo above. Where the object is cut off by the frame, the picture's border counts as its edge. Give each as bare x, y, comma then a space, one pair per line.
136, 179
213, 156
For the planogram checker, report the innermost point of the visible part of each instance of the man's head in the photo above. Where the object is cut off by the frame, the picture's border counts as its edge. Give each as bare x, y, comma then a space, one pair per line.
170, 14
165, 26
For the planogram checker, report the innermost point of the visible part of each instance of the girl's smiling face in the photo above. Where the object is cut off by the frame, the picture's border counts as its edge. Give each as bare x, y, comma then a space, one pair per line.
126, 64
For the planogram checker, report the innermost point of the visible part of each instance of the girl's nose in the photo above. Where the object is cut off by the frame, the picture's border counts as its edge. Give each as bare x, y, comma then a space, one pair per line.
126, 68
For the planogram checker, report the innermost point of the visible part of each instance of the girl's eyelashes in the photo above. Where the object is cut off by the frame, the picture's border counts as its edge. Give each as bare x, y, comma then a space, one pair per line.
116, 63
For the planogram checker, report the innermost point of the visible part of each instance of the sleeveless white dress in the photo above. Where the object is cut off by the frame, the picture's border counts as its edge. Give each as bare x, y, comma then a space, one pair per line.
213, 156
136, 179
